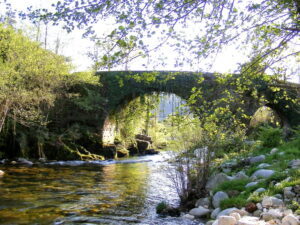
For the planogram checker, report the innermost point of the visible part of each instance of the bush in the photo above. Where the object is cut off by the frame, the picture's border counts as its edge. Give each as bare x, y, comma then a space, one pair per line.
269, 136
161, 207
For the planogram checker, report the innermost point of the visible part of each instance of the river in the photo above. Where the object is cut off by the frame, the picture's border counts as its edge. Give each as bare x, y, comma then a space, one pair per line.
109, 192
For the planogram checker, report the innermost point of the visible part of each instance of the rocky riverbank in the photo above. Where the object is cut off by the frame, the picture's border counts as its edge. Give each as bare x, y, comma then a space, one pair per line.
259, 188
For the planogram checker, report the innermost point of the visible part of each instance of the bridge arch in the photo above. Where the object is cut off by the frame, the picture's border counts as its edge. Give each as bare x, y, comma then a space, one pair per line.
120, 87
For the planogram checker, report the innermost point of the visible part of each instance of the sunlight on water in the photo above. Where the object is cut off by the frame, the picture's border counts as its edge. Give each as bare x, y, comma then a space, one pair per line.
119, 193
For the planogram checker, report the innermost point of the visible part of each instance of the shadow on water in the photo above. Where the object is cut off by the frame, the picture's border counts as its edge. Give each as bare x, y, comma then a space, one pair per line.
117, 193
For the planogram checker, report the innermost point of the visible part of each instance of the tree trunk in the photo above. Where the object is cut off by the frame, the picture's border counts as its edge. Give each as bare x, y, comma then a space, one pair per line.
3, 112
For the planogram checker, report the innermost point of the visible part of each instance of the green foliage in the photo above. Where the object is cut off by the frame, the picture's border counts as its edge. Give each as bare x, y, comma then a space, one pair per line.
161, 207
224, 23
238, 185
237, 202
295, 206
270, 137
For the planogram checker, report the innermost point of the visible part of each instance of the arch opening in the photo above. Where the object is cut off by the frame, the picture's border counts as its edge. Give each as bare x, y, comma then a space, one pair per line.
157, 118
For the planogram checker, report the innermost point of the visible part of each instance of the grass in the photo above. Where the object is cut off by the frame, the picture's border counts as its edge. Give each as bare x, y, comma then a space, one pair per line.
238, 202
278, 162
237, 185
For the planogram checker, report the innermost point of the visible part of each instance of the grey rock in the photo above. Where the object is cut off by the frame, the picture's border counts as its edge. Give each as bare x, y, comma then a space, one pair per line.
281, 153
199, 212
278, 196
226, 220
248, 220
251, 184
272, 214
263, 173
1, 173
240, 175
210, 222
295, 164
260, 190
273, 151
257, 159
288, 193
217, 179
24, 161
215, 213
226, 212
263, 165
259, 206
273, 202
236, 215
257, 213
290, 220
218, 197
296, 189
204, 202
188, 216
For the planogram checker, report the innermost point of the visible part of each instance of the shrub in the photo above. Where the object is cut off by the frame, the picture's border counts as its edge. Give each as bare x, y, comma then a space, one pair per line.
161, 207
269, 136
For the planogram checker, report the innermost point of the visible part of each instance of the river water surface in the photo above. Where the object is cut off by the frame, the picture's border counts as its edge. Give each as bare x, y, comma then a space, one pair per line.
110, 192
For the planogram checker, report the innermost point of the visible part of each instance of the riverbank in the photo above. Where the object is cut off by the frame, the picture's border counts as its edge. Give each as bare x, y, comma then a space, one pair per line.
258, 186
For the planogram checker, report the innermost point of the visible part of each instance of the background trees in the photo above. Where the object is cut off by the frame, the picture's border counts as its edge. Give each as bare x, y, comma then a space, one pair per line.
268, 30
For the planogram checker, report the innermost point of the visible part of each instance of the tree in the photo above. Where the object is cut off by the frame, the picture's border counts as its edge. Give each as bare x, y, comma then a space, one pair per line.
29, 77
270, 28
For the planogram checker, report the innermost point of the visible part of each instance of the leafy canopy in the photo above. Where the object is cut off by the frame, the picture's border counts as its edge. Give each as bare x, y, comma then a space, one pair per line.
270, 29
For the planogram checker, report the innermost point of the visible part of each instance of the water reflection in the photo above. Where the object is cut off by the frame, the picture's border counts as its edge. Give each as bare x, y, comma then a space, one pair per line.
123, 193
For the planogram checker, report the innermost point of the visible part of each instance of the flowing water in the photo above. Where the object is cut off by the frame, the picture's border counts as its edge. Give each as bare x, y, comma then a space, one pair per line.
110, 192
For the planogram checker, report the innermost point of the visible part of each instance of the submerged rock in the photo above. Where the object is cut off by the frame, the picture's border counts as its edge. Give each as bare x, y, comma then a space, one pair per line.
24, 162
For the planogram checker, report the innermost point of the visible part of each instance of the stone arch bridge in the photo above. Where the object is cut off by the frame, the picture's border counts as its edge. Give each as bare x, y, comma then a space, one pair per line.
120, 87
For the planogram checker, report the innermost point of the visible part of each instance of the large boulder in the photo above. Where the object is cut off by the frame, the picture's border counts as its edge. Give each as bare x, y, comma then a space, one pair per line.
143, 138
262, 173
218, 197
199, 212
142, 146
217, 179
